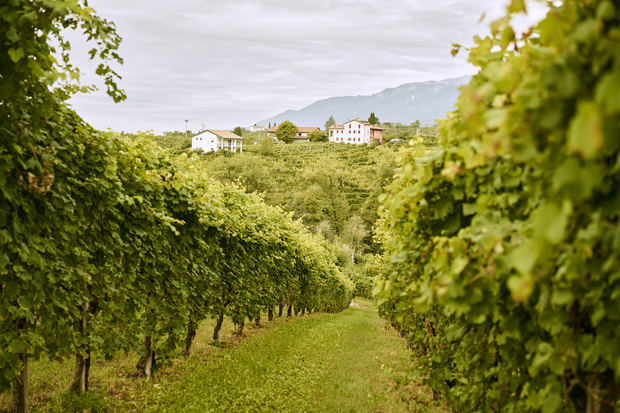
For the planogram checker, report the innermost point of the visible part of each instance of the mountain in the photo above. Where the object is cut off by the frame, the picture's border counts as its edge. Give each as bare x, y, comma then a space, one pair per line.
423, 101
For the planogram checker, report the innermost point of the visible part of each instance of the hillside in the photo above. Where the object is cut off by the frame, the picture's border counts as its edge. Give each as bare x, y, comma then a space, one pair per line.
323, 184
423, 101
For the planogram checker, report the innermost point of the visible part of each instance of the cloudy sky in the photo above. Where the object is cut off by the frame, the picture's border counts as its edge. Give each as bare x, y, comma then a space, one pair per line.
226, 63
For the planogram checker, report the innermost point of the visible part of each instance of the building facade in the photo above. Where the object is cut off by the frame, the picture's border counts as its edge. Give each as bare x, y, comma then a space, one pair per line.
356, 132
212, 140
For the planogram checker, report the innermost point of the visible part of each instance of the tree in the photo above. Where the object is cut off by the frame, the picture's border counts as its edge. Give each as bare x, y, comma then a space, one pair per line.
266, 146
270, 124
331, 121
238, 131
372, 119
353, 233
286, 132
417, 126
318, 136
323, 194
325, 229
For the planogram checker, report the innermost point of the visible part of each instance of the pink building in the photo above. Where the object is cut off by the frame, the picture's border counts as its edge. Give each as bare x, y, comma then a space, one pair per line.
356, 132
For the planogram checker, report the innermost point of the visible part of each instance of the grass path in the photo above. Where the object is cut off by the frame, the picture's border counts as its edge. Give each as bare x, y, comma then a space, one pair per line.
346, 362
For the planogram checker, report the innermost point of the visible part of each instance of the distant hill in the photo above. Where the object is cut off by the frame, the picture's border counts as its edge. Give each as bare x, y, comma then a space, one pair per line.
423, 101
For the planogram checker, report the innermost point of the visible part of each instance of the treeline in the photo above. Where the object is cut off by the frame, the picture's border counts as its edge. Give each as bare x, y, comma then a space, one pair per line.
107, 244
504, 244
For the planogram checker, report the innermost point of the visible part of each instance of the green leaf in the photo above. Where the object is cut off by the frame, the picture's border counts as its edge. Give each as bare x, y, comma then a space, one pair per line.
521, 287
16, 346
543, 354
606, 10
494, 118
524, 257
16, 54
469, 209
516, 6
608, 92
585, 134
550, 221
562, 297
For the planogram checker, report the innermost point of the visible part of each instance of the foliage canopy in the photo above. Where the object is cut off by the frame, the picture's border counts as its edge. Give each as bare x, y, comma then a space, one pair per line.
286, 132
108, 243
504, 254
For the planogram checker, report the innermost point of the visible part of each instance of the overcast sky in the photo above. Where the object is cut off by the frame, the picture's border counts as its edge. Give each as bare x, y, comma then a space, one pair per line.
223, 63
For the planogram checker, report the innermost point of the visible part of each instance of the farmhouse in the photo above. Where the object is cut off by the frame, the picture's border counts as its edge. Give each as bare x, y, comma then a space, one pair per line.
356, 132
302, 133
212, 140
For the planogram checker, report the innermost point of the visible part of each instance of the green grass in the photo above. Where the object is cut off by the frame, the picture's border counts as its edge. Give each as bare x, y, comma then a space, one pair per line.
345, 362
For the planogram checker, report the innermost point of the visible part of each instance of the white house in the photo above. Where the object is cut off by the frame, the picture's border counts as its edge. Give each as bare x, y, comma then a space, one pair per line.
257, 128
211, 140
356, 132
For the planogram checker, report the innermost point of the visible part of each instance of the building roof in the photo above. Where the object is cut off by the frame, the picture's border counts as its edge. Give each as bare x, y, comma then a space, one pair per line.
337, 126
358, 121
307, 129
221, 133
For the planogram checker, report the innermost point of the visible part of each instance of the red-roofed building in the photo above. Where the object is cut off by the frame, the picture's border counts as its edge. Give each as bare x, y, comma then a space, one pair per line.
356, 132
